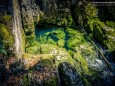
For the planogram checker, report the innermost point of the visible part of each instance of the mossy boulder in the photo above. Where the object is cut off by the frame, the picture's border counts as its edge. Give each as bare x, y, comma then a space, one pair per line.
82, 62
75, 38
75, 41
60, 54
99, 33
33, 47
105, 35
87, 17
85, 13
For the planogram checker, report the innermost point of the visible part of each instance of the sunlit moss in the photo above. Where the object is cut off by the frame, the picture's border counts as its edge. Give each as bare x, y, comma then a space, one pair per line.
82, 63
33, 50
75, 40
110, 24
26, 55
61, 43
72, 32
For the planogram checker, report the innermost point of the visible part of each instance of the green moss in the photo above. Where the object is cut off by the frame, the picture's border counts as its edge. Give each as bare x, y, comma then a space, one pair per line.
104, 35
89, 26
6, 37
51, 41
3, 51
47, 62
46, 49
72, 32
5, 19
52, 81
23, 41
53, 36
71, 53
25, 80
85, 13
33, 47
66, 20
33, 50
91, 10
87, 50
75, 41
82, 63
86, 82
59, 33
111, 44
110, 24
29, 40
87, 17
70, 21
61, 43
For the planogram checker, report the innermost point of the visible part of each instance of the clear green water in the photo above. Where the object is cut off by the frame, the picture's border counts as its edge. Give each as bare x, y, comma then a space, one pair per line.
69, 45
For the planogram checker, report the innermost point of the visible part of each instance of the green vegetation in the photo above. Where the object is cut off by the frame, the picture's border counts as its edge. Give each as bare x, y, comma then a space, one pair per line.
53, 46
25, 80
81, 63
88, 18
47, 62
51, 82
110, 24
6, 38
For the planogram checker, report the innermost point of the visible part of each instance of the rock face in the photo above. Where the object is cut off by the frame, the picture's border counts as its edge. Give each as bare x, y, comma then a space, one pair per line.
68, 75
17, 29
55, 11
30, 14
89, 20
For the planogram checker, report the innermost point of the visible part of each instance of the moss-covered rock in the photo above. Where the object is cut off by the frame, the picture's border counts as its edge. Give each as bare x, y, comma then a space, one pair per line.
98, 33
85, 13
6, 38
104, 35
82, 63
110, 24
33, 47
75, 39
87, 17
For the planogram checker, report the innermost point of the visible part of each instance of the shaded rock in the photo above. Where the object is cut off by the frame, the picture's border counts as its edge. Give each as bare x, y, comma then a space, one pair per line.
68, 75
